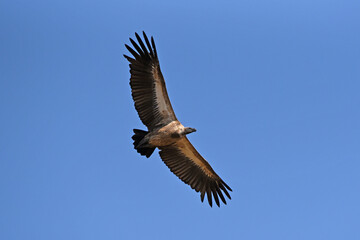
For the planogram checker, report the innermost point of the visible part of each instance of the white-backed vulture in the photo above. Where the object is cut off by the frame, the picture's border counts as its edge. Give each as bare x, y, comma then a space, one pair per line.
164, 130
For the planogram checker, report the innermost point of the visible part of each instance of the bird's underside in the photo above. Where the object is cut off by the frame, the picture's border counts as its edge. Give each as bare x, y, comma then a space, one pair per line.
164, 130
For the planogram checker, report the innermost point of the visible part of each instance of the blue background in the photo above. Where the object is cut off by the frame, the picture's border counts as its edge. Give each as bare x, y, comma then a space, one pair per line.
271, 86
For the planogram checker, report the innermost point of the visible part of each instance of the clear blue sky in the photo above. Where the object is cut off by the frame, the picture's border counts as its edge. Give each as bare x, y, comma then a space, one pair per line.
273, 88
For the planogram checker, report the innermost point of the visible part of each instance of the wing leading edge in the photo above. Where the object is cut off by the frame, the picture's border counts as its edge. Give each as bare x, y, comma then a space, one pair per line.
147, 84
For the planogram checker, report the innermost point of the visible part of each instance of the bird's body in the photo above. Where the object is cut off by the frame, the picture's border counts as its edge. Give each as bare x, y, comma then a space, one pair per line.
163, 135
164, 130
166, 135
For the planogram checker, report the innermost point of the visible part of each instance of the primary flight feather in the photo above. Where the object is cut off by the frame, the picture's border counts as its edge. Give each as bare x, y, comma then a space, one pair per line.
164, 130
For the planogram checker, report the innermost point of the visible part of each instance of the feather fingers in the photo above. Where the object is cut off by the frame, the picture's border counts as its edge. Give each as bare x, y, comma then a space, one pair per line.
138, 49
144, 50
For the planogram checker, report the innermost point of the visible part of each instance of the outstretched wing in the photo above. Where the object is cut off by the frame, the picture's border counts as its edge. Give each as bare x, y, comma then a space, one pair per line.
147, 84
186, 163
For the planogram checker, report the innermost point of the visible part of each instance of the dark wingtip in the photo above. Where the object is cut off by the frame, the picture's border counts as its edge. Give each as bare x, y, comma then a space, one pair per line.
127, 46
226, 185
148, 44
202, 195
128, 58
135, 54
209, 197
215, 196
154, 47
221, 195
224, 190
136, 46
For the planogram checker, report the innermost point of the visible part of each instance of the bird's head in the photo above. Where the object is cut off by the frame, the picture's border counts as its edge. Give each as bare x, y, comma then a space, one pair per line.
188, 130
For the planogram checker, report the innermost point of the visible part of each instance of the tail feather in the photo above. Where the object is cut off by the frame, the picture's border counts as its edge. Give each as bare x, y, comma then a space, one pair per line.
137, 137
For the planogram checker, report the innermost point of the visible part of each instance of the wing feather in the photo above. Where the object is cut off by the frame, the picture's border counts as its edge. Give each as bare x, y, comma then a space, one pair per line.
148, 85
148, 44
186, 163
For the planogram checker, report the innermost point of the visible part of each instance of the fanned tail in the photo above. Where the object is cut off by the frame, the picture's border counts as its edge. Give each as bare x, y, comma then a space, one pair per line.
137, 137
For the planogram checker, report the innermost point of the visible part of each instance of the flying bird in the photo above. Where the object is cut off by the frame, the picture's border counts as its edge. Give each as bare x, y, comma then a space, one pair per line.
165, 132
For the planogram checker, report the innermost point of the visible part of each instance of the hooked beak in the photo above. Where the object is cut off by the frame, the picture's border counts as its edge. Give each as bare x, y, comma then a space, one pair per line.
189, 130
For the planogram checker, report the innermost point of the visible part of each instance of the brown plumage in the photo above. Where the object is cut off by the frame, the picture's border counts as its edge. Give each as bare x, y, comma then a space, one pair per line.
164, 130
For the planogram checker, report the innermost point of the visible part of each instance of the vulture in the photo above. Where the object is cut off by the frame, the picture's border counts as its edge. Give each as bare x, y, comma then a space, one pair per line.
165, 132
